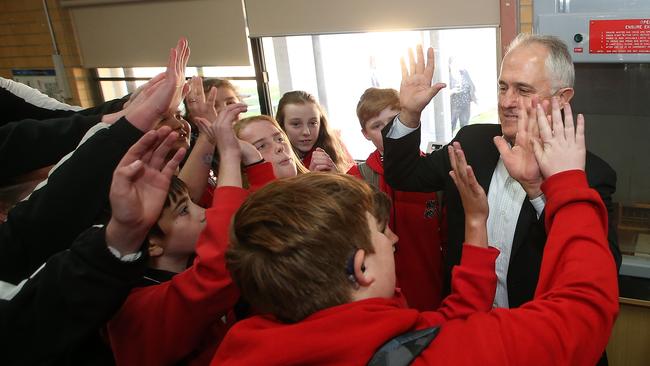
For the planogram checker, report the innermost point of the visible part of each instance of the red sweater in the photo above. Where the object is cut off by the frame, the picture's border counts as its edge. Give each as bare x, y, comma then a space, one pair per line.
418, 259
258, 175
183, 319
365, 325
567, 323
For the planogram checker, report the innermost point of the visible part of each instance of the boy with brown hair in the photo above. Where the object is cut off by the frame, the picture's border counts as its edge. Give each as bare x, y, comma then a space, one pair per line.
328, 290
415, 216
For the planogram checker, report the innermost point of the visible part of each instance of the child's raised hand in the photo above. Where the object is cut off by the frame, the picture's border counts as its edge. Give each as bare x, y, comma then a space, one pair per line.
472, 196
198, 104
249, 154
561, 148
164, 94
139, 188
227, 142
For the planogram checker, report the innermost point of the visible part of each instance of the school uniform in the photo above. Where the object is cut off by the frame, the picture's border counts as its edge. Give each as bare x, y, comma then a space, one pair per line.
568, 322
185, 318
415, 218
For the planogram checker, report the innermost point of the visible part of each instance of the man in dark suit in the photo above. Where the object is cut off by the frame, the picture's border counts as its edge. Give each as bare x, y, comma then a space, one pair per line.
535, 69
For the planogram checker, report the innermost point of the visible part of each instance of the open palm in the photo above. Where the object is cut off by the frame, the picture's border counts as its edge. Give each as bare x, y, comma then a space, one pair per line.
416, 90
140, 185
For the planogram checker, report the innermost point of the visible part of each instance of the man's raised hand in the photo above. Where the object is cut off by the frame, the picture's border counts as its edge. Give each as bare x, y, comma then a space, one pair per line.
416, 91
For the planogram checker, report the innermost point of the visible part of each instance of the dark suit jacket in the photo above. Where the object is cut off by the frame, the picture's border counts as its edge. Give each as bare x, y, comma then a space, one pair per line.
406, 170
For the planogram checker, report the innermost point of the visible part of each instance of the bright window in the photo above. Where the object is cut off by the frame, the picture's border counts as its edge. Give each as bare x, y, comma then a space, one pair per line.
338, 68
117, 82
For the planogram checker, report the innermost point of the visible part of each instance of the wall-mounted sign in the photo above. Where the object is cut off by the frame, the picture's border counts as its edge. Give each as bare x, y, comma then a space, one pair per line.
42, 79
621, 36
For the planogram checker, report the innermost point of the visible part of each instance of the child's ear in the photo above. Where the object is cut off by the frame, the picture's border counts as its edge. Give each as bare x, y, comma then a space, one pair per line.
155, 247
363, 279
365, 134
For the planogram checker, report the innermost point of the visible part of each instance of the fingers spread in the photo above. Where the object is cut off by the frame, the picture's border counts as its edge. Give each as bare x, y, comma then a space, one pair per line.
558, 126
138, 150
172, 165
405, 72
502, 146
569, 132
452, 158
419, 66
580, 132
544, 129
430, 68
212, 96
131, 170
161, 152
436, 88
522, 118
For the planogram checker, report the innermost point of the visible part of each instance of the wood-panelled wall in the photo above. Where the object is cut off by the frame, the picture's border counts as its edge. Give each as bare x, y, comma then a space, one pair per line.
25, 43
526, 16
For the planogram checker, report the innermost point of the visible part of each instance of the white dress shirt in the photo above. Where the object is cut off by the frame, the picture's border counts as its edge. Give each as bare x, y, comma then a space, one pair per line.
505, 198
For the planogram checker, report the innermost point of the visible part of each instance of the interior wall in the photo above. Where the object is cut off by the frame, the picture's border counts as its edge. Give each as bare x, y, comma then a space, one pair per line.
25, 43
525, 16
614, 100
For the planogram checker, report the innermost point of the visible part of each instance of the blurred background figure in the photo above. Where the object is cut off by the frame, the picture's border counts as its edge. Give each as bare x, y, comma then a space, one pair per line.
463, 93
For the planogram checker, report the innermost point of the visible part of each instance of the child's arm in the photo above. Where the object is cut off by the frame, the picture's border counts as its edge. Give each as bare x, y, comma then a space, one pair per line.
572, 314
53, 137
79, 289
570, 319
201, 109
474, 280
77, 192
178, 313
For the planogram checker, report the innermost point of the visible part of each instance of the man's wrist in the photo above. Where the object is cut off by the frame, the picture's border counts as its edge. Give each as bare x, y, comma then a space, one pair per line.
533, 192
409, 118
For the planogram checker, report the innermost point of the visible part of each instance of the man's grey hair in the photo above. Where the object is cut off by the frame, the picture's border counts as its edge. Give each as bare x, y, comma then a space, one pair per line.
559, 65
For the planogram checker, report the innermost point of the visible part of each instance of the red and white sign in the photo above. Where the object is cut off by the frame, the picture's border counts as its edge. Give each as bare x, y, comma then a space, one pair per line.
619, 36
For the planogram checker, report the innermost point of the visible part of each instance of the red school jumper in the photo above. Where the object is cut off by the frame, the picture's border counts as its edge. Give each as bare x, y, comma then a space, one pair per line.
567, 323
415, 219
182, 319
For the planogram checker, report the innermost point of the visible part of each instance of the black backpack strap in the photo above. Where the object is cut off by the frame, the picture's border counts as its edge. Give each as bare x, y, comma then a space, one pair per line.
403, 349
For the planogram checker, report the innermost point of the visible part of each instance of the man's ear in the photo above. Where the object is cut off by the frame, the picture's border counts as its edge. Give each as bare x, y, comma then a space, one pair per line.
365, 134
362, 278
155, 247
565, 96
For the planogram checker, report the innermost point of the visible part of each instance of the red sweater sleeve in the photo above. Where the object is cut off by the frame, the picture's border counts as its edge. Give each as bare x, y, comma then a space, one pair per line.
259, 175
571, 316
161, 324
473, 285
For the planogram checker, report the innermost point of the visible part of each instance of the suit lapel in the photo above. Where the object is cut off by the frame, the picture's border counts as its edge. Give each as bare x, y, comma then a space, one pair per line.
487, 160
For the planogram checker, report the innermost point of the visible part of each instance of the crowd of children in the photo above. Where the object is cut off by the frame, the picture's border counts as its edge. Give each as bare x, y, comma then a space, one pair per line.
260, 241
